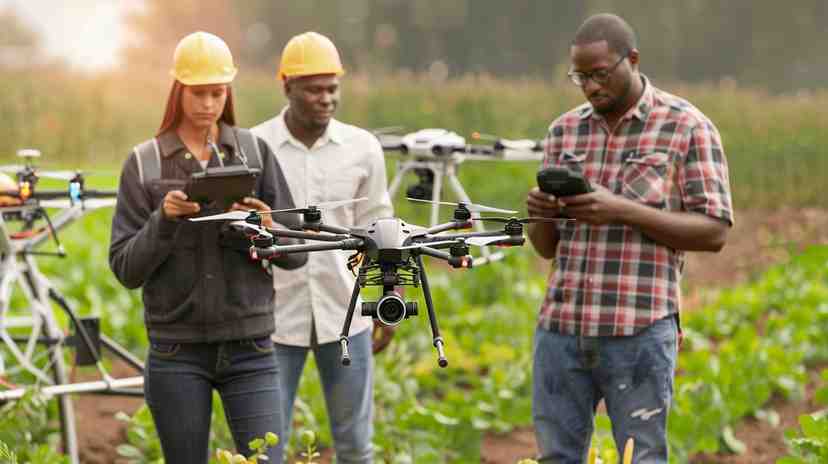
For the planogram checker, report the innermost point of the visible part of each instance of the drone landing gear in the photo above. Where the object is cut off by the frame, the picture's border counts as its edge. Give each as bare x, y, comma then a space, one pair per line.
437, 340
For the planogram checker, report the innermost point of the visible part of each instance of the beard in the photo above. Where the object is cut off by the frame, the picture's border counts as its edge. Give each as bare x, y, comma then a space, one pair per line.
614, 105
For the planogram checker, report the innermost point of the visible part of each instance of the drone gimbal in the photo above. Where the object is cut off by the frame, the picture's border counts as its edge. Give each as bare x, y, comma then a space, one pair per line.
391, 252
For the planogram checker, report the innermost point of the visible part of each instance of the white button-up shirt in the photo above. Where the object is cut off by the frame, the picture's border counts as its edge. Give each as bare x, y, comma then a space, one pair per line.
346, 162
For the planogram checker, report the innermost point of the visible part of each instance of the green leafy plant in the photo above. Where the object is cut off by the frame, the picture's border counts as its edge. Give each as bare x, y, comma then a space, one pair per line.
259, 446
809, 445
25, 427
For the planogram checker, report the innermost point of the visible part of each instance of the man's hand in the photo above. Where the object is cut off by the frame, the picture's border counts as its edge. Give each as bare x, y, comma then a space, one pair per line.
175, 205
597, 207
249, 203
540, 204
381, 336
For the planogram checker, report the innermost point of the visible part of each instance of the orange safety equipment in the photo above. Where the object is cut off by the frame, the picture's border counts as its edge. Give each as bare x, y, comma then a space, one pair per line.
203, 58
309, 54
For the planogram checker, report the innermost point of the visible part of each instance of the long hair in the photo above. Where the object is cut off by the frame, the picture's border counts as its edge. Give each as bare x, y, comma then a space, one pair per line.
173, 113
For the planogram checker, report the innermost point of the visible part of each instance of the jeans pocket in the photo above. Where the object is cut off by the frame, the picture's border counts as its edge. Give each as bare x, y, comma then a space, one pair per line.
263, 344
164, 350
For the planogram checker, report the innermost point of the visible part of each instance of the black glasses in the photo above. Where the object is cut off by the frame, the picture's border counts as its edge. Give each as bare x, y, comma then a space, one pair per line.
600, 76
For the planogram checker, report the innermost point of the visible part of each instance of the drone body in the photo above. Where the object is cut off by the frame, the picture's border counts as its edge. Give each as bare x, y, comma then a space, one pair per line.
388, 253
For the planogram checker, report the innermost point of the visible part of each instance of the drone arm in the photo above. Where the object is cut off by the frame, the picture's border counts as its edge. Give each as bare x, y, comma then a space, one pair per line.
488, 233
453, 225
308, 235
454, 261
319, 227
269, 252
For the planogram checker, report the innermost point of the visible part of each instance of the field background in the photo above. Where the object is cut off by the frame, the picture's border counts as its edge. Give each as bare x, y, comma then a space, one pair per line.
85, 81
775, 148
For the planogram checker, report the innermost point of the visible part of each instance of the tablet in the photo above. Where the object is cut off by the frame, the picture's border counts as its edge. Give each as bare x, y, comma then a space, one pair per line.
221, 185
562, 182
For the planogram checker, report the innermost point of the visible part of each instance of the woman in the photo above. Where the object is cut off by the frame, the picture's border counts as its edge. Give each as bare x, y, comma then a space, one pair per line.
208, 307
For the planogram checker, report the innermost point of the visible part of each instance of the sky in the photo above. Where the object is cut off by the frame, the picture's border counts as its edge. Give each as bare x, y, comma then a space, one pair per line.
86, 33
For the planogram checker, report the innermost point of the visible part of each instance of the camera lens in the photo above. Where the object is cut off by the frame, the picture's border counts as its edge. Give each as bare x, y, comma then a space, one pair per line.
390, 310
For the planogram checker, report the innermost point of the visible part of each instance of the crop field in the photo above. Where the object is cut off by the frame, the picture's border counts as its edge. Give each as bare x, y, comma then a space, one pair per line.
751, 343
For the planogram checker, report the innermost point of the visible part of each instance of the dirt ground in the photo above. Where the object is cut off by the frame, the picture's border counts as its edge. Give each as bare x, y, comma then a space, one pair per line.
758, 240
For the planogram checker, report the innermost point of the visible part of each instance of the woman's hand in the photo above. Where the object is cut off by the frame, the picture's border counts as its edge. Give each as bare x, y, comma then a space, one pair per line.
175, 205
250, 203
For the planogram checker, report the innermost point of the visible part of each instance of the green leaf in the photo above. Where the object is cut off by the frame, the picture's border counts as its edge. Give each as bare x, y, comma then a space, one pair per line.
733, 444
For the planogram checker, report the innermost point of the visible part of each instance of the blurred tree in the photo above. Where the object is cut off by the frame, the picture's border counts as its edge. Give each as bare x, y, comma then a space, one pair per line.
771, 44
20, 45
159, 25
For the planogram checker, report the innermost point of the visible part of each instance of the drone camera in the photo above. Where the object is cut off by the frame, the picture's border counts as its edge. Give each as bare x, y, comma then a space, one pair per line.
390, 309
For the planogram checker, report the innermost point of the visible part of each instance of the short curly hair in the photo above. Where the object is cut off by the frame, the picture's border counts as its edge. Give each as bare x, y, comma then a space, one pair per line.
619, 36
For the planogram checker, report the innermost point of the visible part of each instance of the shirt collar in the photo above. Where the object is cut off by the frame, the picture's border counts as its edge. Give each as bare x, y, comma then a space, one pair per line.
641, 108
333, 133
170, 143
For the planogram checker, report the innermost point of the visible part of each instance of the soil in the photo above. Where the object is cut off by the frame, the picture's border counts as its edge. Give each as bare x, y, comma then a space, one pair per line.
758, 240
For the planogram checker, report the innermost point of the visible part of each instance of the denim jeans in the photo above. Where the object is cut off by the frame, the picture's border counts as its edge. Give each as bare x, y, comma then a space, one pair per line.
633, 375
178, 386
348, 393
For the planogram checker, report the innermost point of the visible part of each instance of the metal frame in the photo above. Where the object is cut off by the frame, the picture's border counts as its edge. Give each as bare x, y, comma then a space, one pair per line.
446, 167
18, 269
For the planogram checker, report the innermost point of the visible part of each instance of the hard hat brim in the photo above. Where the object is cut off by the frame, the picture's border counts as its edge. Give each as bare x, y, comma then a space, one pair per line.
206, 80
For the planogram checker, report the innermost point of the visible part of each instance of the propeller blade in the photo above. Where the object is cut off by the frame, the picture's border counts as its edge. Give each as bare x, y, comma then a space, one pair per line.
428, 244
60, 175
249, 226
526, 220
473, 207
488, 209
338, 203
483, 241
12, 168
228, 216
323, 205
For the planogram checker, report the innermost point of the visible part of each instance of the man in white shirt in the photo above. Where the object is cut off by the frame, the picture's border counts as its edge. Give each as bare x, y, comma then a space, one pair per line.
325, 160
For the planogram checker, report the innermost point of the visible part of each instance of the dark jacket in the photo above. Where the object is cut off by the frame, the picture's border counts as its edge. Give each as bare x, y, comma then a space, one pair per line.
195, 289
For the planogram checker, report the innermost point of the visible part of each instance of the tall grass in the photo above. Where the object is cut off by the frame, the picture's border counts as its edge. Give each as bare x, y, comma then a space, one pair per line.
774, 144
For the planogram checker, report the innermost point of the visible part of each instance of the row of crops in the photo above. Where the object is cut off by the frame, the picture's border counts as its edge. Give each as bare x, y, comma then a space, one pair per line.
755, 341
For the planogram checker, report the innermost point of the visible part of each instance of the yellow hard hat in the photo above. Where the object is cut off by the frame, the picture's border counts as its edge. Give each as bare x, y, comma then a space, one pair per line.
309, 54
203, 58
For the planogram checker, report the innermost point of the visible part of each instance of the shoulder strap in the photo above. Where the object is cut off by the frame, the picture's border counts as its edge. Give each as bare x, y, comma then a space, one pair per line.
148, 157
249, 145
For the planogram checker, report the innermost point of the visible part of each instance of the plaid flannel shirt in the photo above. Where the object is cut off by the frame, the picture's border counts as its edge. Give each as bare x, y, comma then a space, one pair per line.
612, 280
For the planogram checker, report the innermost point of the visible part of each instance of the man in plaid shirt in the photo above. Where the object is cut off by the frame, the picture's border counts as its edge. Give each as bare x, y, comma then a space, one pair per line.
608, 327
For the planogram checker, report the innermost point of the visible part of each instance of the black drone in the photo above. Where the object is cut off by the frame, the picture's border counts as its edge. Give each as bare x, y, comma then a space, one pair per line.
389, 253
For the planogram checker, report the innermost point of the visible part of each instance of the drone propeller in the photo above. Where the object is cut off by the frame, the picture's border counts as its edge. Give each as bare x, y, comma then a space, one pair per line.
474, 208
242, 215
526, 220
318, 206
251, 227
483, 241
429, 244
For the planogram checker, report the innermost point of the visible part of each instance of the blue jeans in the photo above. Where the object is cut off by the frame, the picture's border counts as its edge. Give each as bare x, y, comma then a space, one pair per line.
634, 376
348, 393
178, 386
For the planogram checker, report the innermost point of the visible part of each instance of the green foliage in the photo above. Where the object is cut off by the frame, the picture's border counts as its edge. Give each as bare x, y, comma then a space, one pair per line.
810, 444
144, 447
259, 446
26, 433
